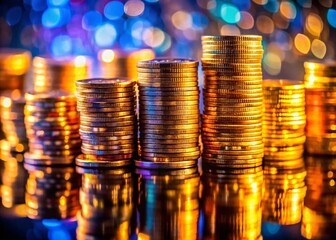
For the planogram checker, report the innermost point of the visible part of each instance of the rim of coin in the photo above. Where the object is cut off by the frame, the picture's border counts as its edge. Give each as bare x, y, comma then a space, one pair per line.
37, 159
168, 63
98, 162
105, 82
231, 38
164, 165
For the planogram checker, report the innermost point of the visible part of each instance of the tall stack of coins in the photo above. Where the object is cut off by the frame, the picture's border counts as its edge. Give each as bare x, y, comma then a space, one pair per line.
233, 99
231, 203
12, 120
52, 192
52, 125
59, 73
108, 124
284, 121
168, 113
320, 82
168, 203
107, 204
14, 65
284, 192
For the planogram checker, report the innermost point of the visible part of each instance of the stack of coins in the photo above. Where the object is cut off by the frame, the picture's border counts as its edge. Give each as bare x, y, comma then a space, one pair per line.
14, 65
59, 73
284, 121
168, 203
231, 203
108, 124
233, 99
12, 120
320, 82
284, 192
107, 204
168, 113
319, 213
52, 192
52, 125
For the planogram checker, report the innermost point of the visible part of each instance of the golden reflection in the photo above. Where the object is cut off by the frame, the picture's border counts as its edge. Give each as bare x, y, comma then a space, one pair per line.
107, 204
302, 43
319, 214
168, 204
231, 203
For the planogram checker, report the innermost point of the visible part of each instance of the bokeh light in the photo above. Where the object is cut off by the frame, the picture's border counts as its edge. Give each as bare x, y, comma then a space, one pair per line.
314, 24
114, 10
331, 16
230, 13
105, 35
302, 43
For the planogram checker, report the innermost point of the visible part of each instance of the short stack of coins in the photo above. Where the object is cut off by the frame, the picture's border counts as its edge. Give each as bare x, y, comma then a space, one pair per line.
12, 120
233, 100
52, 125
108, 123
284, 121
320, 83
58, 73
52, 192
168, 113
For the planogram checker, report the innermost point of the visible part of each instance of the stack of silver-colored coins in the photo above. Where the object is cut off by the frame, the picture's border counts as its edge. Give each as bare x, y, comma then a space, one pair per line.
107, 204
168, 113
58, 73
52, 192
12, 120
284, 121
52, 125
108, 124
233, 100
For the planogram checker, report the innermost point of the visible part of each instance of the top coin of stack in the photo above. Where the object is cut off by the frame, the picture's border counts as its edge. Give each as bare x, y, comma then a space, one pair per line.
59, 73
284, 120
168, 113
233, 99
14, 64
320, 82
108, 126
52, 125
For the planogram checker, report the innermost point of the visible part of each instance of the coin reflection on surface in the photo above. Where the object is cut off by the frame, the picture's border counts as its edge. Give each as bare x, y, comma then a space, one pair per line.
168, 203
284, 192
319, 213
231, 203
107, 201
52, 192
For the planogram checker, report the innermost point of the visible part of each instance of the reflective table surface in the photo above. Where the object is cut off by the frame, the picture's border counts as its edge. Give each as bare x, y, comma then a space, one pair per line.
65, 202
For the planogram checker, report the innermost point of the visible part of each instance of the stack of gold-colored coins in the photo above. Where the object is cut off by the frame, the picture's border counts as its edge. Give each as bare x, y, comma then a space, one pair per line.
284, 121
231, 203
168, 113
12, 120
108, 124
233, 98
59, 73
107, 204
284, 192
52, 125
14, 65
319, 213
168, 203
52, 192
320, 82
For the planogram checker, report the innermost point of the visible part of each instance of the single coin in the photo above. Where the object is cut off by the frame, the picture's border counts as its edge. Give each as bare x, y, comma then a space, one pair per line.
98, 105
168, 98
107, 152
107, 147
169, 136
168, 80
105, 83
109, 124
185, 107
168, 63
103, 161
106, 138
160, 84
171, 113
147, 155
164, 163
194, 140
130, 128
167, 70
112, 90
143, 75
106, 100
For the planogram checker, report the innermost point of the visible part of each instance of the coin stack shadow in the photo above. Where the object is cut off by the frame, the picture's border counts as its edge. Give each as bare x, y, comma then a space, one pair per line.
52, 192
231, 203
284, 122
233, 99
284, 193
52, 125
51, 73
108, 123
107, 204
12, 120
320, 83
168, 113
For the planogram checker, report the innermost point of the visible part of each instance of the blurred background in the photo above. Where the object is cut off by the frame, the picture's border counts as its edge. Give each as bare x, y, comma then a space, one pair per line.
293, 31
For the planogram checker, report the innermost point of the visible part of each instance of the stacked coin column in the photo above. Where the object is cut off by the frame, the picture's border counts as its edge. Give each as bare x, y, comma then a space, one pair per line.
168, 113
52, 124
320, 83
108, 124
284, 121
233, 99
